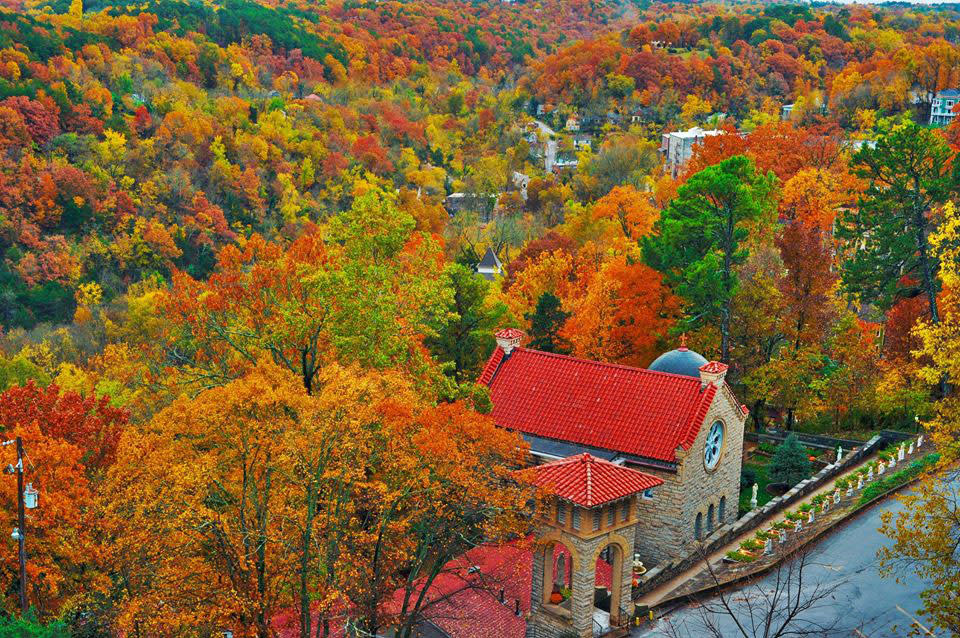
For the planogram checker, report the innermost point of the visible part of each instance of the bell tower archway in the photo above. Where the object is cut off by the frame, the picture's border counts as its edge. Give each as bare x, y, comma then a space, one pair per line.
595, 529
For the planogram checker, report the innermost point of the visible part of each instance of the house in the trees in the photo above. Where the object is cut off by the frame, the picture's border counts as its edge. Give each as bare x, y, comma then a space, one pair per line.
941, 108
490, 266
677, 420
677, 147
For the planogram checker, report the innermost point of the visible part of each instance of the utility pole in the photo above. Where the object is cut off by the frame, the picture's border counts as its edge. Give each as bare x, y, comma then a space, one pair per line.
22, 526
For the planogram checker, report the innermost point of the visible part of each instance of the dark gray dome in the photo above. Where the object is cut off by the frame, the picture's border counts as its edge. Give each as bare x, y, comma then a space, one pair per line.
680, 361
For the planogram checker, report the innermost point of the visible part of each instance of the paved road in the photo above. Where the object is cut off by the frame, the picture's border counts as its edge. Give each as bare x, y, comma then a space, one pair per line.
864, 602
550, 157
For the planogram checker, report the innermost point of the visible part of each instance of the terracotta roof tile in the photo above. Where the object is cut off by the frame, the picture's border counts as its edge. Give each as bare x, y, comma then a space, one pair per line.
588, 481
604, 405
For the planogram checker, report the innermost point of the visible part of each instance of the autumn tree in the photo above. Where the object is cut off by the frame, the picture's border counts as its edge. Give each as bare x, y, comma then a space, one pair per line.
698, 240
365, 289
331, 502
809, 280
466, 338
92, 424
64, 567
910, 172
925, 531
623, 315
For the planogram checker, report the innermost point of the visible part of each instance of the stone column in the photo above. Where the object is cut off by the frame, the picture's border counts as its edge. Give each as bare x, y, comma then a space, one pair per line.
581, 603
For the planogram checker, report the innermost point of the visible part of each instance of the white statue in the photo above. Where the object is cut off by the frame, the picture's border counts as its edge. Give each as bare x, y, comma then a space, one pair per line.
768, 547
920, 441
836, 496
810, 515
910, 449
799, 526
753, 499
839, 453
901, 452
870, 473
881, 467
860, 482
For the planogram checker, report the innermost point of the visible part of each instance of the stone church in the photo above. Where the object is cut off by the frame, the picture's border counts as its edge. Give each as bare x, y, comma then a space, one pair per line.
677, 420
638, 463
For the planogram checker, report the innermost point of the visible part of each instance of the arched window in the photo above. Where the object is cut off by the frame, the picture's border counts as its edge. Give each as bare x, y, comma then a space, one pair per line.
722, 513
710, 518
698, 527
560, 572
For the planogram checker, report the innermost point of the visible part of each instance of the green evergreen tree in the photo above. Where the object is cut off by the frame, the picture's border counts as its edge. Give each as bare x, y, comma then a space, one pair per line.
910, 171
545, 324
789, 464
698, 240
467, 338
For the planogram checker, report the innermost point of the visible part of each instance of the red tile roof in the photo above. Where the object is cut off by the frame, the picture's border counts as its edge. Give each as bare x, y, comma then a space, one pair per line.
464, 600
604, 405
588, 481
715, 367
467, 595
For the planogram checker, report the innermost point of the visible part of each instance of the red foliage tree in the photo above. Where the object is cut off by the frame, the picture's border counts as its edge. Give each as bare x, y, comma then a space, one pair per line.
91, 424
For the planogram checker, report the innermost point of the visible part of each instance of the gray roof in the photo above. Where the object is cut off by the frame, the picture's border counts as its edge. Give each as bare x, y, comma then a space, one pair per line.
680, 361
563, 449
949, 93
490, 260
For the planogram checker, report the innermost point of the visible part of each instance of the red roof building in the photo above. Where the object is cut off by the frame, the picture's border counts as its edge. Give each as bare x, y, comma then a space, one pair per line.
588, 481
635, 411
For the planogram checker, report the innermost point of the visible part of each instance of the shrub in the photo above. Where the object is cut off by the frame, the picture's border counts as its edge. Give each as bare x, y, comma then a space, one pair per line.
763, 536
740, 557
806, 507
751, 545
887, 483
789, 464
842, 483
793, 516
781, 525
747, 477
768, 448
819, 499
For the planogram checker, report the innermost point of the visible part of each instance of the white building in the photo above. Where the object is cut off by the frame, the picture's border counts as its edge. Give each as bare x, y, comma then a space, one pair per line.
941, 109
677, 147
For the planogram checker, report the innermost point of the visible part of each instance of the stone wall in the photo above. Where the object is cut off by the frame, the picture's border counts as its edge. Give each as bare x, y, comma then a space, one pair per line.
752, 520
666, 522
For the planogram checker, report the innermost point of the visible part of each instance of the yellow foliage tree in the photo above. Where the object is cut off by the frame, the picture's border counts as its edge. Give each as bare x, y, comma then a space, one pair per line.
925, 532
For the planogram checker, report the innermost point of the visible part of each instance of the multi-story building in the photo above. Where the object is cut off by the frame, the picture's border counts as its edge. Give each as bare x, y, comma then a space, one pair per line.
941, 109
677, 147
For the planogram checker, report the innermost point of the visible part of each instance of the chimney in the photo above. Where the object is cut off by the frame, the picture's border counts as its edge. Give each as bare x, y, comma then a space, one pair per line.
713, 372
508, 339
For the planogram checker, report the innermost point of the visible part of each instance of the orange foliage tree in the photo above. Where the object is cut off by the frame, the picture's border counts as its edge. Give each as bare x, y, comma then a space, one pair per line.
68, 440
260, 508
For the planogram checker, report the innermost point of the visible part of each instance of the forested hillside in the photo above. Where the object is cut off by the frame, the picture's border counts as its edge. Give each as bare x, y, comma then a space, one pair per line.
200, 200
